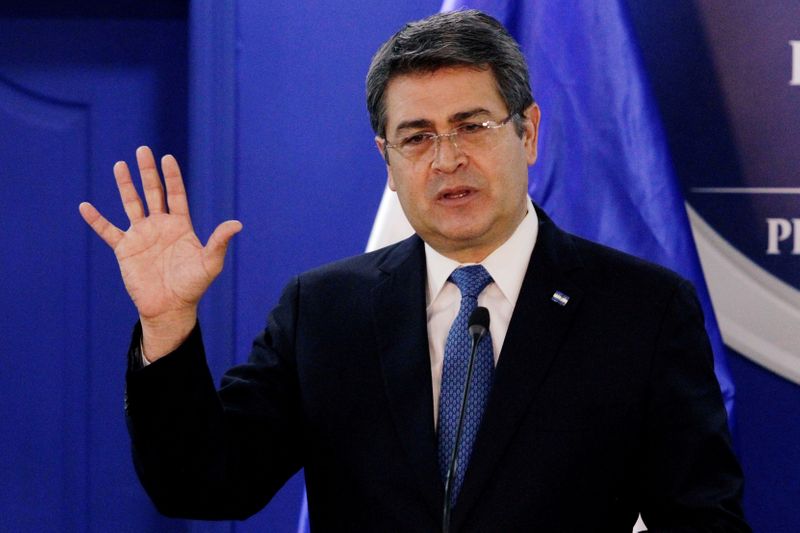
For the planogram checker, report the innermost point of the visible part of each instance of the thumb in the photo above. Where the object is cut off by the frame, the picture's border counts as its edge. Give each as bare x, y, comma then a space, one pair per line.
217, 245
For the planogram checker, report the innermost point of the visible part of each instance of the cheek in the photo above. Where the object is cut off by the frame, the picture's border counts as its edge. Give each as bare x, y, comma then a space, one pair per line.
407, 184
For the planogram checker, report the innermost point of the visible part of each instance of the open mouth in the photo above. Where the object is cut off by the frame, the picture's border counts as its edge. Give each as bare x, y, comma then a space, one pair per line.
456, 194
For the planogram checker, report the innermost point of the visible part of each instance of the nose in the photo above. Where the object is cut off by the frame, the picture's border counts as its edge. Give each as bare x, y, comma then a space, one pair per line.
447, 156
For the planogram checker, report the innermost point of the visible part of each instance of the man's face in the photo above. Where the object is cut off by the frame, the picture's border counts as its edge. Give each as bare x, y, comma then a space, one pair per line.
464, 205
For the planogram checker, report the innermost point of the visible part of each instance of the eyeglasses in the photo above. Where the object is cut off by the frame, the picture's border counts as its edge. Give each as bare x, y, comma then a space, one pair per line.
469, 138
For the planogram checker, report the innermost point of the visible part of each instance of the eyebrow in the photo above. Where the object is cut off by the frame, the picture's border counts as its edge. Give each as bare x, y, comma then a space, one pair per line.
425, 123
464, 115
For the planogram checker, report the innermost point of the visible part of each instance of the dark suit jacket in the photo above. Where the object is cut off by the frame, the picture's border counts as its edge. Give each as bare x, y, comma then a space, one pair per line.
601, 408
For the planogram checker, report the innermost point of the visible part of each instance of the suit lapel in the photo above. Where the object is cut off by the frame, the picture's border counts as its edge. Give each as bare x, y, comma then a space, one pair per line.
401, 330
537, 329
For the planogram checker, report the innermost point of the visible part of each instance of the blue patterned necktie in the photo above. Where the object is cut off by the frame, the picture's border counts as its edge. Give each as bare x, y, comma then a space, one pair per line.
471, 281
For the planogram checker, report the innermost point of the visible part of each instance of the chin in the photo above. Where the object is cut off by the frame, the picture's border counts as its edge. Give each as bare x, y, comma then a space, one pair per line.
460, 238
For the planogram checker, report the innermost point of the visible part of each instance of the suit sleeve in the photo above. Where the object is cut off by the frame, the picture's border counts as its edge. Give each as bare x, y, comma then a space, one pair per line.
207, 454
692, 481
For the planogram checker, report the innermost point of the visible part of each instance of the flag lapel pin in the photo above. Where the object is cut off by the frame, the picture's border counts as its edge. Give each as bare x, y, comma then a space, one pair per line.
560, 298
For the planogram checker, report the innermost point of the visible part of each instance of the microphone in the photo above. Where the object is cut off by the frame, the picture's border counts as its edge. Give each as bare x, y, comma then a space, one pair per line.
478, 325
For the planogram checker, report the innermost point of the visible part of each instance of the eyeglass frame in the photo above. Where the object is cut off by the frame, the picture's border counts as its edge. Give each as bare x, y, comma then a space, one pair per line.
452, 135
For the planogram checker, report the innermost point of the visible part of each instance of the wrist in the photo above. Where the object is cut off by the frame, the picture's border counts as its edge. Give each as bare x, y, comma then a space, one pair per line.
163, 334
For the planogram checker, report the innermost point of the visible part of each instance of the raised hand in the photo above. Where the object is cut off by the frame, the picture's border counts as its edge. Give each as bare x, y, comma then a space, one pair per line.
165, 267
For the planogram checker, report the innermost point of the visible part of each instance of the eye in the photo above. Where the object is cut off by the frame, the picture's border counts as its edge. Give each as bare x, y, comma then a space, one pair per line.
471, 127
416, 139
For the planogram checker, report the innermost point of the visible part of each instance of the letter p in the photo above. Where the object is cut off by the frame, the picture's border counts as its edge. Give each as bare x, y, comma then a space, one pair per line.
778, 230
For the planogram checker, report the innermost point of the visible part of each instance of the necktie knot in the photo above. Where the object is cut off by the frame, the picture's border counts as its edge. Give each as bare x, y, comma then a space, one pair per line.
471, 280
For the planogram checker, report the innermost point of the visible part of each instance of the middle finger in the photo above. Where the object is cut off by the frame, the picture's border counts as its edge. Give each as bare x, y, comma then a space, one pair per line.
151, 182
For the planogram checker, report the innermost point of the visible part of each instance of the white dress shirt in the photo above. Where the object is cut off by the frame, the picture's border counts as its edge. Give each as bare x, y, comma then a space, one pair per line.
507, 266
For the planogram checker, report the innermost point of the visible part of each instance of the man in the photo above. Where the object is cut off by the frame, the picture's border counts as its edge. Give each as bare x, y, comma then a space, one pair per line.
593, 398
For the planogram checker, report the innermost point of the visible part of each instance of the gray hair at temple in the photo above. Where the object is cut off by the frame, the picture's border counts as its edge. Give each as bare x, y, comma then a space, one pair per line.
457, 38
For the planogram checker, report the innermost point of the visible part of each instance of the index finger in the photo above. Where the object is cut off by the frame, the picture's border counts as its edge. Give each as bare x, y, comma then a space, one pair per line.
176, 192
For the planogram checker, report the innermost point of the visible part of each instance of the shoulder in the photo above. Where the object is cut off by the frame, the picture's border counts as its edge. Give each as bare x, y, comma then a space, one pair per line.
618, 268
604, 272
367, 269
641, 284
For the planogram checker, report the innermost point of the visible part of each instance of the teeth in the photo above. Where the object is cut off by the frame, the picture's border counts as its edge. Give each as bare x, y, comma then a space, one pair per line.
458, 195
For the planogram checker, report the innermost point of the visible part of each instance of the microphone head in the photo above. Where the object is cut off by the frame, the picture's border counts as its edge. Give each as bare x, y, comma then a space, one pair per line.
479, 322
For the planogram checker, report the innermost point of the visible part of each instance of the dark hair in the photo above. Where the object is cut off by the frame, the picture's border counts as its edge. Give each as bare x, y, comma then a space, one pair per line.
457, 38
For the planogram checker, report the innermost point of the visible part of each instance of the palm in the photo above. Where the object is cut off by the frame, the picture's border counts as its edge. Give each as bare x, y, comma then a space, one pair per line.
165, 267
161, 260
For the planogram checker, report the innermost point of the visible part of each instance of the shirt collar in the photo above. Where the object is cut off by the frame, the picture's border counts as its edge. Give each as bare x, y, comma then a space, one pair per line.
507, 264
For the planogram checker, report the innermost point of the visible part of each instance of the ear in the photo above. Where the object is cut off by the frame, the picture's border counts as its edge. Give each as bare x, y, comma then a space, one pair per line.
390, 179
380, 143
530, 134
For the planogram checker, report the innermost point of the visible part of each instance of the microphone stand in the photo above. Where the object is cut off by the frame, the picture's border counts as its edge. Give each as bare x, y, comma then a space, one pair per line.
477, 331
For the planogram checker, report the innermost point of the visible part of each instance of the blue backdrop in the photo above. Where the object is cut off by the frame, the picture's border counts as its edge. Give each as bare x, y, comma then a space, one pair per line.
264, 102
